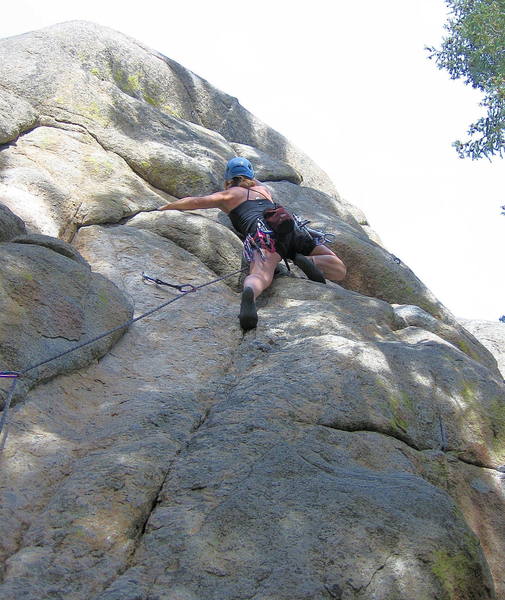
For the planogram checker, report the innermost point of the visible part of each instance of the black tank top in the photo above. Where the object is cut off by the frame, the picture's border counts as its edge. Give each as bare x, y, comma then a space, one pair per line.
245, 216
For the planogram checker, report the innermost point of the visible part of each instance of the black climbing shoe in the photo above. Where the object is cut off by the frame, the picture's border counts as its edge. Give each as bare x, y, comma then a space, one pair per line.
309, 268
248, 315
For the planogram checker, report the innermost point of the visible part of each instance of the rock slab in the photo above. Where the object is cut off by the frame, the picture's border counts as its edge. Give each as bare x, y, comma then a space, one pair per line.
351, 447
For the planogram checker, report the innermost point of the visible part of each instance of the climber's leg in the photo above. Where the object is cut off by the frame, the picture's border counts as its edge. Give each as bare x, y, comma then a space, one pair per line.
260, 276
261, 272
328, 262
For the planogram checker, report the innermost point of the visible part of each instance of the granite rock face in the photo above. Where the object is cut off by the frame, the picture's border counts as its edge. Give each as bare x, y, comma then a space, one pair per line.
10, 224
16, 116
49, 303
352, 447
490, 334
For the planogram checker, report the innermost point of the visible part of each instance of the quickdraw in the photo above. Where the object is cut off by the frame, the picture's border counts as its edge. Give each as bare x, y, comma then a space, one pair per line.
184, 287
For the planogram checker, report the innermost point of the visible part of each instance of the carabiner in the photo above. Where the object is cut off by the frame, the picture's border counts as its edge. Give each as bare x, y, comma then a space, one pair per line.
148, 278
192, 288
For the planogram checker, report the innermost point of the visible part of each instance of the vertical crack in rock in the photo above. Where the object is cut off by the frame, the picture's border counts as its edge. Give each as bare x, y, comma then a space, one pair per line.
182, 448
199, 423
222, 384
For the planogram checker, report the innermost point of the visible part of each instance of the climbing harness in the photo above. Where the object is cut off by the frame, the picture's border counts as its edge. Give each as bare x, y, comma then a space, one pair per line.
184, 290
265, 238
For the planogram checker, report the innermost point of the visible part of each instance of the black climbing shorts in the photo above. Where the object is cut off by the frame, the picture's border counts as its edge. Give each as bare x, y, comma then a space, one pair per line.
295, 242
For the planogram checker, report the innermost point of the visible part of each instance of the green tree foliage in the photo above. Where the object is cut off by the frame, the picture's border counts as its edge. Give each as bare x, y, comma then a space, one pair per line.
475, 52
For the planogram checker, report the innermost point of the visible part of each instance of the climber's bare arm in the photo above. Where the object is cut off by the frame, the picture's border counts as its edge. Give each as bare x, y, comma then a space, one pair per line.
217, 200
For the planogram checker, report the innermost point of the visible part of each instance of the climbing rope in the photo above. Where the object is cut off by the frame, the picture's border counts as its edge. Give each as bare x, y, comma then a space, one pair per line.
184, 290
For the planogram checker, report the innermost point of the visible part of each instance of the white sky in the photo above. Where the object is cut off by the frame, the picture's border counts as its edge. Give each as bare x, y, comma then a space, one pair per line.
350, 84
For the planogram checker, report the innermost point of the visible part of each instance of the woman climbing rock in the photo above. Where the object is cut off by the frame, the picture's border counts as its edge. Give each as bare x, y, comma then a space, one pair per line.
270, 234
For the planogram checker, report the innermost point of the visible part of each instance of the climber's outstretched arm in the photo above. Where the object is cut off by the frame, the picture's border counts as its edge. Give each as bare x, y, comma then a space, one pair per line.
217, 200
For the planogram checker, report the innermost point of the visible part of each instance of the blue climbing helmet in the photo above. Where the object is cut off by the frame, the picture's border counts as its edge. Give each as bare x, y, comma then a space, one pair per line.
238, 166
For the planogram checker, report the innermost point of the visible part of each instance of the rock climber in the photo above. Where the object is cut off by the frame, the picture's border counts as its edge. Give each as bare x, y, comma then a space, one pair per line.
244, 199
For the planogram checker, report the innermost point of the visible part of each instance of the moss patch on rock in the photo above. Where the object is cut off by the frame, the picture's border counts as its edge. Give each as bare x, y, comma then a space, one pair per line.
457, 572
